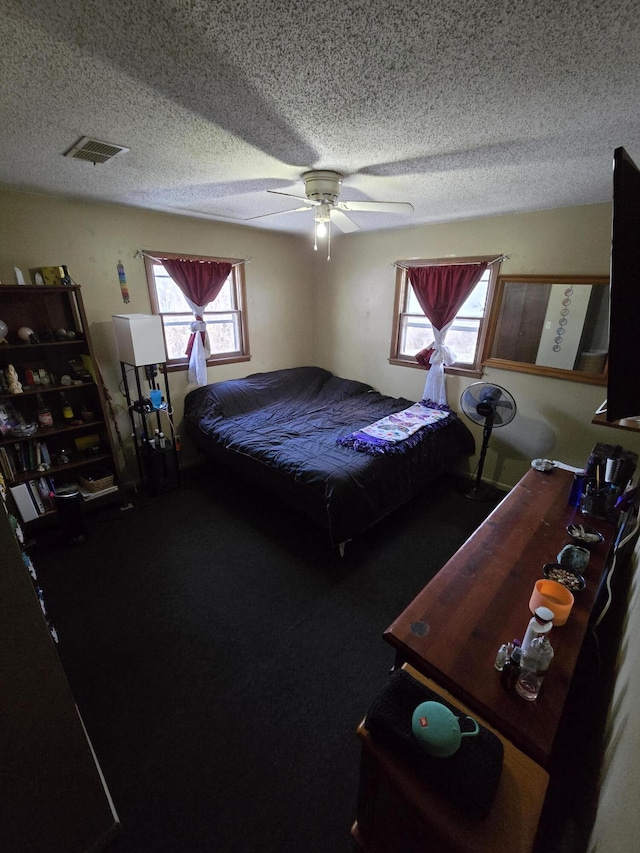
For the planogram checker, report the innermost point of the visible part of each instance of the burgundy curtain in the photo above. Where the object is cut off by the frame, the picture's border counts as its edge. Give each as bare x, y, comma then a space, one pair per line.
201, 282
440, 291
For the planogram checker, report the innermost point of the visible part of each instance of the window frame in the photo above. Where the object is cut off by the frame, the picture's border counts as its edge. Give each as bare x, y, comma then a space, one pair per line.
400, 302
239, 296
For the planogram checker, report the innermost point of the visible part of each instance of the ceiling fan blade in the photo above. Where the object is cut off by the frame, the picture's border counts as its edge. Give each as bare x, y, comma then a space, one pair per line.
277, 213
309, 201
343, 222
377, 206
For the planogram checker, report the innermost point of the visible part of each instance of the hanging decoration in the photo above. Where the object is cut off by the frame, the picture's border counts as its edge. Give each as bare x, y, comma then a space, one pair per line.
564, 319
123, 282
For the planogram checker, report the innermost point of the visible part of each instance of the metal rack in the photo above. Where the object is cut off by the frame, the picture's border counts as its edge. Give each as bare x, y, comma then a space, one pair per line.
158, 466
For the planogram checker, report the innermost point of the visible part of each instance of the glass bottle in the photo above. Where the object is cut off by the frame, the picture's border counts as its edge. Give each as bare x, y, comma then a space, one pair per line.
501, 657
535, 663
45, 418
540, 623
511, 668
67, 411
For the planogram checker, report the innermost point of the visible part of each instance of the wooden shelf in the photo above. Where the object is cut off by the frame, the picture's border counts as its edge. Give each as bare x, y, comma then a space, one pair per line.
55, 797
25, 347
42, 433
630, 424
48, 309
34, 390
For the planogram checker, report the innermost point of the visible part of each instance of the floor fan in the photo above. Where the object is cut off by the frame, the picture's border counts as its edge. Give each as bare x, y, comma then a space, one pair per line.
490, 406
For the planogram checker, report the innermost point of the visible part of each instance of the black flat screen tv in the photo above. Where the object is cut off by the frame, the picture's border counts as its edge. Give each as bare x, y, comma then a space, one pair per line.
623, 377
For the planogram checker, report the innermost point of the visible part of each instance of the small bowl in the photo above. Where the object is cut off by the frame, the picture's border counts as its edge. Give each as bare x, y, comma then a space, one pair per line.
555, 596
570, 578
543, 465
586, 536
574, 557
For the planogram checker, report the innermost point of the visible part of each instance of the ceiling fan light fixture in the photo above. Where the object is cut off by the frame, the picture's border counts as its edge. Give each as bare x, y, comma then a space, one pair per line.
322, 220
322, 188
322, 226
322, 185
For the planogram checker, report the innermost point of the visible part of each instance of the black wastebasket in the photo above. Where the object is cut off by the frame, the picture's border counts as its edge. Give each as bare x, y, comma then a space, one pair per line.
69, 503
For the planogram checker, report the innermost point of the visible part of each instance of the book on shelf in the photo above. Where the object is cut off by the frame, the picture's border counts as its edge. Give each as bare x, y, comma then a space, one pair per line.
46, 493
44, 453
35, 496
21, 462
24, 502
6, 464
23, 457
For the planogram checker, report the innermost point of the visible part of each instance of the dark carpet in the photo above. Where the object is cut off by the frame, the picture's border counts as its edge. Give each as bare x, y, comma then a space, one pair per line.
222, 656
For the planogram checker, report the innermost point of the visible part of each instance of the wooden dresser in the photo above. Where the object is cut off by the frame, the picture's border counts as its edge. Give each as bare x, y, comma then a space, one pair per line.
453, 628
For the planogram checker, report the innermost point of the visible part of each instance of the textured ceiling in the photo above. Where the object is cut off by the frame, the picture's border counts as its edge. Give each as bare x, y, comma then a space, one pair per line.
463, 108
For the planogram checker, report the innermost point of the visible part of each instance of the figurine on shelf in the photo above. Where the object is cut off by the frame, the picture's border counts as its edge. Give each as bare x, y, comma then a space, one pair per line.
15, 386
4, 331
27, 335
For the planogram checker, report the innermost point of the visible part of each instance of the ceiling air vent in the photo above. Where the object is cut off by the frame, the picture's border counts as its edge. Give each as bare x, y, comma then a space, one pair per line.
94, 151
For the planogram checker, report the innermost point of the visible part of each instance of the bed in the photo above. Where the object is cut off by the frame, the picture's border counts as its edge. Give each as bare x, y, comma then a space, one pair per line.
298, 433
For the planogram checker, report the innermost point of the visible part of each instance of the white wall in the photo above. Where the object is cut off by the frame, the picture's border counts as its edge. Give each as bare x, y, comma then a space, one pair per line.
617, 824
355, 301
39, 230
303, 309
338, 315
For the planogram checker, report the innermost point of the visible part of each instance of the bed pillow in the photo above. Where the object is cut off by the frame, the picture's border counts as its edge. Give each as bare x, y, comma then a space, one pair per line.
258, 390
335, 389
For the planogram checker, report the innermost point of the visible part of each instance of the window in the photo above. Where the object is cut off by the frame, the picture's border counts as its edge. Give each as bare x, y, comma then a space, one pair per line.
225, 316
412, 331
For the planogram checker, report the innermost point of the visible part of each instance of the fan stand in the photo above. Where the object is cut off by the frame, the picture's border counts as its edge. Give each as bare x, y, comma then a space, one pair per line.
480, 491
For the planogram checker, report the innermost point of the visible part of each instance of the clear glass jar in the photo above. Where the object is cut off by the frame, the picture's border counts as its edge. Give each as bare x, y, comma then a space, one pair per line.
501, 657
533, 668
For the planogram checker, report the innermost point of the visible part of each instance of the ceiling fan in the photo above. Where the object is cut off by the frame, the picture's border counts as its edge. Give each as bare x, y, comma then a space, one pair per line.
322, 188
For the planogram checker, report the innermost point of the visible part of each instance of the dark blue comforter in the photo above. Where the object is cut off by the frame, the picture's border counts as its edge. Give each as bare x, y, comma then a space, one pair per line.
282, 429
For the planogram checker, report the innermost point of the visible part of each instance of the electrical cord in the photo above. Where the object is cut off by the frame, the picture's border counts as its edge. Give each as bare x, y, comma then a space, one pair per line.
620, 544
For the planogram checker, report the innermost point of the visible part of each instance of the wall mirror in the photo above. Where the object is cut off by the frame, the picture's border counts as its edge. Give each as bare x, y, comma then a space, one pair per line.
550, 325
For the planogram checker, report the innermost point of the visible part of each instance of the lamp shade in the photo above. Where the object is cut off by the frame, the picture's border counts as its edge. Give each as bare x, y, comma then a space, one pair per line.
139, 338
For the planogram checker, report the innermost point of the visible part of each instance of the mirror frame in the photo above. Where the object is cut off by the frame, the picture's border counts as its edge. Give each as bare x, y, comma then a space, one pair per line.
527, 367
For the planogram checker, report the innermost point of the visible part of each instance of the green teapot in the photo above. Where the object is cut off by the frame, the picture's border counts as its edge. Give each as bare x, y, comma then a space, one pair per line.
437, 729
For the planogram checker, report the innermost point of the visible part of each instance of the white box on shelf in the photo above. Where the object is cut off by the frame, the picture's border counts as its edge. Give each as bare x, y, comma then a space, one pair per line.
24, 502
139, 338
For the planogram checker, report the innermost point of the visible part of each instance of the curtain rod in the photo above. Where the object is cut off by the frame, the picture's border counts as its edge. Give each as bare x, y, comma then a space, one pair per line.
405, 265
140, 254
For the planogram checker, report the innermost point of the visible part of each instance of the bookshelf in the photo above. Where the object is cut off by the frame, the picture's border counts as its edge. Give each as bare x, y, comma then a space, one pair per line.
55, 796
47, 363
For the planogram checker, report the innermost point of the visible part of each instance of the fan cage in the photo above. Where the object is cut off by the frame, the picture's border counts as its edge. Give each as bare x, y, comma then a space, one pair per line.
473, 396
